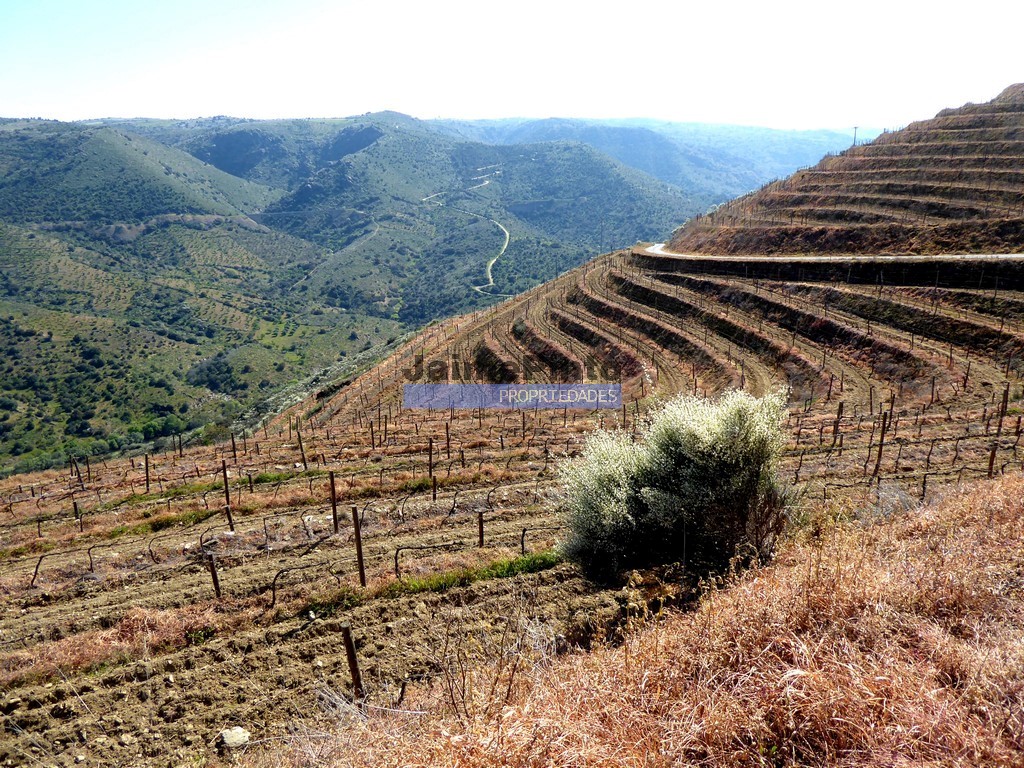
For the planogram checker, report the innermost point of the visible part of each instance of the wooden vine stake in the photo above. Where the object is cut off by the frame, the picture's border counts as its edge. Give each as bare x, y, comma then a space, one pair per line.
353, 663
302, 451
227, 494
35, 573
359, 546
212, 563
1002, 410
334, 502
881, 444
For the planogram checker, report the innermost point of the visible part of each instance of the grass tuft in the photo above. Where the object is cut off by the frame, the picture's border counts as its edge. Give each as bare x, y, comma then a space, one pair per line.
186, 518
463, 577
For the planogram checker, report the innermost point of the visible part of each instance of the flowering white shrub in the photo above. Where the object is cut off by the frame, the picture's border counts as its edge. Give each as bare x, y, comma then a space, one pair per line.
698, 488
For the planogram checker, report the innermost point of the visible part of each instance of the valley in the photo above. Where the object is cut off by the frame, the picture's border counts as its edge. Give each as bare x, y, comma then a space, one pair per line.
150, 601
220, 264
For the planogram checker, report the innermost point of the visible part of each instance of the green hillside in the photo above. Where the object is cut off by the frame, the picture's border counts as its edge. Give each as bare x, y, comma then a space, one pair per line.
281, 154
61, 172
163, 276
183, 329
422, 213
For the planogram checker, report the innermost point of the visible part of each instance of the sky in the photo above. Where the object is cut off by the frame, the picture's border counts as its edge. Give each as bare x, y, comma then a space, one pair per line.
783, 64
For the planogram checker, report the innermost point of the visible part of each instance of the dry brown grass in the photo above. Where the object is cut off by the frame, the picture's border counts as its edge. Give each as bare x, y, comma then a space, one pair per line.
138, 635
893, 642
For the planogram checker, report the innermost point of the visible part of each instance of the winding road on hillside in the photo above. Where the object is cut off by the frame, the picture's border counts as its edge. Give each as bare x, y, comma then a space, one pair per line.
483, 288
490, 264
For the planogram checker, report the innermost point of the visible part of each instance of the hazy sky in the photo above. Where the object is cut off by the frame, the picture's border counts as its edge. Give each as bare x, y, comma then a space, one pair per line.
781, 64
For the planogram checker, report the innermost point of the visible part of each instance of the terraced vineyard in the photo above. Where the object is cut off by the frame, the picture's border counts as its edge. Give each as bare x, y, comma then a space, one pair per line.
149, 603
952, 184
116, 645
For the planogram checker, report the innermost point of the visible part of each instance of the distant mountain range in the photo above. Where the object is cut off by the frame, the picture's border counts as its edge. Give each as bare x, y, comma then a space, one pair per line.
161, 276
710, 163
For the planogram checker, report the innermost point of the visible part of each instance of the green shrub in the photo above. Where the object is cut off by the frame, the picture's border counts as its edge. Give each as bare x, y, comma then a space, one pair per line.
698, 488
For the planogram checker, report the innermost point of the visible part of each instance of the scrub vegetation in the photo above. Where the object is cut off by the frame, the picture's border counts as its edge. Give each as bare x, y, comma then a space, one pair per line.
697, 486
